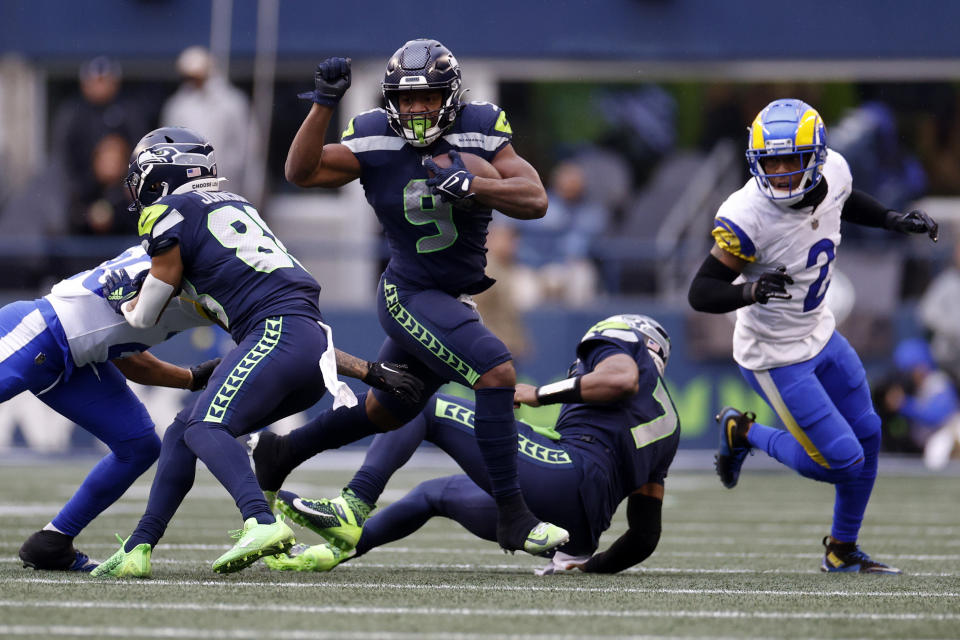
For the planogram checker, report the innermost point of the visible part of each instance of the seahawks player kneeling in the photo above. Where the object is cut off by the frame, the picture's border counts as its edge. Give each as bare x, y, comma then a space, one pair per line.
615, 439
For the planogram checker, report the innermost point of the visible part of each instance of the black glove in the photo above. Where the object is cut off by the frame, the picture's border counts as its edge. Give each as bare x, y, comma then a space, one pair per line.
452, 183
394, 379
916, 221
331, 79
201, 374
771, 284
118, 287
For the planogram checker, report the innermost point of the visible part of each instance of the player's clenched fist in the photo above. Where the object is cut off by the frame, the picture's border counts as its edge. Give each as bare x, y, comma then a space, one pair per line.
331, 80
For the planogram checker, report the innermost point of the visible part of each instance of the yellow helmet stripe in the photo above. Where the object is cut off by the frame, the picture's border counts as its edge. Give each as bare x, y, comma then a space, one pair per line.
756, 134
807, 128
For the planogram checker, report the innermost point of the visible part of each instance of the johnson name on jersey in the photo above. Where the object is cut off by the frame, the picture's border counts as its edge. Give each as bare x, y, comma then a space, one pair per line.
751, 227
433, 244
94, 331
638, 431
233, 265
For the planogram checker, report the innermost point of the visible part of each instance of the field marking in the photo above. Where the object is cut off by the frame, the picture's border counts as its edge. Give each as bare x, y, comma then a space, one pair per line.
485, 588
251, 634
493, 612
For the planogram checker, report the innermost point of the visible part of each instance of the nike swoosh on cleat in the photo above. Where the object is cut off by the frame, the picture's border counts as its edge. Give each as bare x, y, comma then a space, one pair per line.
543, 540
300, 505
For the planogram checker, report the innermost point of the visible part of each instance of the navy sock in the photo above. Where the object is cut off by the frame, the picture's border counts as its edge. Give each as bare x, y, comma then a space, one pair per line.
387, 453
227, 461
331, 429
497, 438
176, 469
107, 481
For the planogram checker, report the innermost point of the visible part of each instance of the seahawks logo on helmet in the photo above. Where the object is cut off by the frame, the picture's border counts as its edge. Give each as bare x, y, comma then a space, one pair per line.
170, 160
631, 327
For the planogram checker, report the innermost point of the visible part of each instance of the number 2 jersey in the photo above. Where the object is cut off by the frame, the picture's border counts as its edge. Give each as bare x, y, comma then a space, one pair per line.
433, 244
94, 332
233, 265
631, 442
752, 227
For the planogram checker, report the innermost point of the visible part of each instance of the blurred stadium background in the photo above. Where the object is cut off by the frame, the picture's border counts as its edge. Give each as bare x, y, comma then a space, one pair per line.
650, 99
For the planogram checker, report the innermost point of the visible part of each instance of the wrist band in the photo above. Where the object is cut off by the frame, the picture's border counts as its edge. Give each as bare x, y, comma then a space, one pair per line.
564, 391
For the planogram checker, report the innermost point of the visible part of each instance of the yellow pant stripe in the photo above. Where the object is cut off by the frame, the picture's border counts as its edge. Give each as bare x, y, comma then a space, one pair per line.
773, 395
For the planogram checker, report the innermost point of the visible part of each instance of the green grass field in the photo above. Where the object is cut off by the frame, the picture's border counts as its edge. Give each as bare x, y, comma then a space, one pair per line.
731, 564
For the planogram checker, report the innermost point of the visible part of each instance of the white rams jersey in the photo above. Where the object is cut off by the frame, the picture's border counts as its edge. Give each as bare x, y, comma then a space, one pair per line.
97, 333
752, 227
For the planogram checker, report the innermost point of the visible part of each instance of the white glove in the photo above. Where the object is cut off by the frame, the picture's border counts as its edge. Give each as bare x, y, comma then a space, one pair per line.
561, 562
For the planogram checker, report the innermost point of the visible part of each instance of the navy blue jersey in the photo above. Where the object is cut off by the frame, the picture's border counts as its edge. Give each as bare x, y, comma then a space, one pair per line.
633, 440
233, 265
433, 244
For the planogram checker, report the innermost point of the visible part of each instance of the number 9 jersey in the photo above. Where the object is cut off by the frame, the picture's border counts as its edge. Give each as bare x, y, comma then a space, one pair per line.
766, 235
233, 265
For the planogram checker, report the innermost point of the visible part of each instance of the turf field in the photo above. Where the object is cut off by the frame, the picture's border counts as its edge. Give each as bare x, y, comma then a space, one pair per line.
731, 564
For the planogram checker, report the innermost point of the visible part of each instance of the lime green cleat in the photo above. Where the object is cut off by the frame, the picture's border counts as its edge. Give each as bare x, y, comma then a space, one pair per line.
544, 537
126, 564
271, 498
339, 521
319, 557
254, 541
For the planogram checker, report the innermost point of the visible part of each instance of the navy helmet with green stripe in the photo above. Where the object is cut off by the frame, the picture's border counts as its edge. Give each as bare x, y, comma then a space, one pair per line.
422, 65
170, 160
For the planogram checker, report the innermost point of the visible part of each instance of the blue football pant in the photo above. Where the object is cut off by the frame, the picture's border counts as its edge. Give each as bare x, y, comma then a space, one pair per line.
95, 397
833, 431
551, 477
271, 374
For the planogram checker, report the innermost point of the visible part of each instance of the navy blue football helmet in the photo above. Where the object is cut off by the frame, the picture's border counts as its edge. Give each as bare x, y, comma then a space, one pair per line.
170, 160
420, 65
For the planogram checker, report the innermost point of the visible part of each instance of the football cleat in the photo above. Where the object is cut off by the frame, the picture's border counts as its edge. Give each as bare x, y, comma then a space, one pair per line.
126, 564
54, 551
266, 451
733, 444
339, 520
254, 541
847, 557
319, 557
545, 537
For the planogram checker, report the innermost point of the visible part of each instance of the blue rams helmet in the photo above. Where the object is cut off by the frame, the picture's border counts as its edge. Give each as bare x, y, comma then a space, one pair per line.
420, 65
170, 160
788, 128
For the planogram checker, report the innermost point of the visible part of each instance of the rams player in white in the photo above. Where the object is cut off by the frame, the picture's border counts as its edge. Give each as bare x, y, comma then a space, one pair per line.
776, 242
73, 351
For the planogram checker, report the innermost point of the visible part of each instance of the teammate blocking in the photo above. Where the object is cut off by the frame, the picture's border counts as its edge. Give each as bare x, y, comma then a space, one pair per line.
435, 219
615, 439
215, 246
778, 237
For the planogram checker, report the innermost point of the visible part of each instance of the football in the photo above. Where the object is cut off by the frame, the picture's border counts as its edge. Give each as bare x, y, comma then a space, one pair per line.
474, 163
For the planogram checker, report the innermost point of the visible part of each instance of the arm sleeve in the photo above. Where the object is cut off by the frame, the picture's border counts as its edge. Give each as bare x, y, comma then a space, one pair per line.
639, 541
712, 290
861, 208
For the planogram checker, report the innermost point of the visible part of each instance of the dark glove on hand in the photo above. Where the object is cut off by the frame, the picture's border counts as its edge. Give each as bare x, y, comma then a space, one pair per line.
771, 284
452, 183
331, 79
916, 221
201, 374
118, 287
394, 379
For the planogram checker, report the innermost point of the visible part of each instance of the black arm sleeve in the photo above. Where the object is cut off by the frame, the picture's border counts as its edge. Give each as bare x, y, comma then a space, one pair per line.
636, 545
861, 208
712, 292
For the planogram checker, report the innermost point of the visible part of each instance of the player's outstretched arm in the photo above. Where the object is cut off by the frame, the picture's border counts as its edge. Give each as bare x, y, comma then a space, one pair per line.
386, 376
158, 288
644, 508
145, 368
614, 378
861, 208
310, 163
712, 289
519, 193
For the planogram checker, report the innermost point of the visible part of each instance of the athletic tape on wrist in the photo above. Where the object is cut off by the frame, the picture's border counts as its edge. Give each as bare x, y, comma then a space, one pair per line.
564, 391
